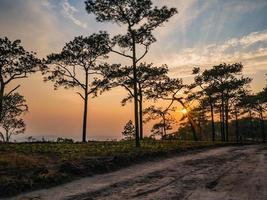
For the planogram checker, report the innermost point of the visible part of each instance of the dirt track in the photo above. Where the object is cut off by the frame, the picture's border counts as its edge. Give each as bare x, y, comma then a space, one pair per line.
236, 173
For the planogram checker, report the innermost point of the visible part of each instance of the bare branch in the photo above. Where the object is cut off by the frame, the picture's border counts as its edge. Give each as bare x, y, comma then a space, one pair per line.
122, 54
80, 95
13, 90
146, 51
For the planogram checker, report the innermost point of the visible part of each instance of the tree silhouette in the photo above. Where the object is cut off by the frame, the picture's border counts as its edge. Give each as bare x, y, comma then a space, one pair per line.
257, 105
239, 108
165, 119
207, 89
171, 89
15, 63
77, 66
189, 116
198, 115
14, 105
221, 84
141, 19
147, 76
128, 131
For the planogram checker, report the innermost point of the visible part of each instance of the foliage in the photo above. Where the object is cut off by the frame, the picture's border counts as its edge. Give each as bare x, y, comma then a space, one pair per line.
140, 19
164, 117
122, 76
77, 64
14, 105
64, 140
138, 15
78, 56
220, 89
15, 63
128, 131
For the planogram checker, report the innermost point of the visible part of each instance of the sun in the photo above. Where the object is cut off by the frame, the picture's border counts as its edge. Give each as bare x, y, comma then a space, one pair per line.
184, 111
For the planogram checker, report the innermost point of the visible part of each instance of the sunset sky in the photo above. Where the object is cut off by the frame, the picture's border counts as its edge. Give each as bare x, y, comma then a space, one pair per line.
205, 32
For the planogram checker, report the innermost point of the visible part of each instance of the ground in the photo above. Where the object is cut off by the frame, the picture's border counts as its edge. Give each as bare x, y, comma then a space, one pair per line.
224, 173
30, 166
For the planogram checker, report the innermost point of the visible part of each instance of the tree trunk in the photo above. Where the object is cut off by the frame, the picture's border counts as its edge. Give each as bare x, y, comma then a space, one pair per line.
221, 124
2, 136
200, 136
226, 121
85, 109
251, 124
141, 112
137, 142
262, 127
222, 120
2, 90
7, 137
212, 122
191, 121
193, 129
2, 86
164, 126
236, 127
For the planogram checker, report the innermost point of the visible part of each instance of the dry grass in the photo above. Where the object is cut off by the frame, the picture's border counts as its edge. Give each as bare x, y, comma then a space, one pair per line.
28, 166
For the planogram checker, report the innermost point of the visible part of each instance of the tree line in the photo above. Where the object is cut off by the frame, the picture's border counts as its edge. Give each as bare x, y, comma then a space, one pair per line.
217, 94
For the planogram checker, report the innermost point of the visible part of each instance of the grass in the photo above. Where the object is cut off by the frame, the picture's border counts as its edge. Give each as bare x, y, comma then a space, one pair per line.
28, 166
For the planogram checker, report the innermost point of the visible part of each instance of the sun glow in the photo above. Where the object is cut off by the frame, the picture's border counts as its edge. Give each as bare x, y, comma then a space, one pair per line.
184, 111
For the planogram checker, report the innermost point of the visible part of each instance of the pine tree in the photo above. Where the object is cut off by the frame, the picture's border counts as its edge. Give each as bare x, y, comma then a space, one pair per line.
128, 132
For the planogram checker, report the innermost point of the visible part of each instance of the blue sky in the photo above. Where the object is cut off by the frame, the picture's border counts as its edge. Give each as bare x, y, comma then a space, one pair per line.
204, 33
45, 25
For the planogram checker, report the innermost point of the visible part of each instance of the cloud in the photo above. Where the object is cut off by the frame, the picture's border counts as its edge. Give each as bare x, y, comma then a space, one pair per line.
69, 11
181, 20
244, 5
34, 22
253, 38
46, 3
251, 50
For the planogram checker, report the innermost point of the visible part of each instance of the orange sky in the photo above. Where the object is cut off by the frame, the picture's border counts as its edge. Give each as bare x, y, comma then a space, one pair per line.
204, 33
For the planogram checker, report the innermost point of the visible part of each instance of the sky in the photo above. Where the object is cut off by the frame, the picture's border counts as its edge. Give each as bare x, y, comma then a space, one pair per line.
203, 33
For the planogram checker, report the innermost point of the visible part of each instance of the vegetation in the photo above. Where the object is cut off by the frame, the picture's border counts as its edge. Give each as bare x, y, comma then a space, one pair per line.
128, 131
166, 120
218, 95
13, 107
76, 65
140, 19
15, 63
218, 107
27, 166
147, 76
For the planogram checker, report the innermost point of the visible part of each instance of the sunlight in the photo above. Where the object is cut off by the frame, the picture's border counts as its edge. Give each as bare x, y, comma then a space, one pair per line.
184, 111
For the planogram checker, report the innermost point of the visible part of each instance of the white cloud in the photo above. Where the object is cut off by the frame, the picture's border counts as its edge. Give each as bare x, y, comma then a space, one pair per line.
69, 11
253, 38
229, 51
34, 23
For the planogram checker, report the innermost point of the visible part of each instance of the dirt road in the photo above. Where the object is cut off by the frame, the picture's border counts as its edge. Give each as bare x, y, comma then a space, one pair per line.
236, 173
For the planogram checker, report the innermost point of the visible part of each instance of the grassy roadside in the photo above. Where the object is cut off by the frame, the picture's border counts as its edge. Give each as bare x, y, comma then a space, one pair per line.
29, 166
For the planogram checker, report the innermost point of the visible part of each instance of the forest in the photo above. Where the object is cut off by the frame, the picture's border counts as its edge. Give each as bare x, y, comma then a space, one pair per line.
218, 107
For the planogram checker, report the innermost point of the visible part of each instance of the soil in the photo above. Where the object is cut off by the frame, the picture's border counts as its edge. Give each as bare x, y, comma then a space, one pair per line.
224, 173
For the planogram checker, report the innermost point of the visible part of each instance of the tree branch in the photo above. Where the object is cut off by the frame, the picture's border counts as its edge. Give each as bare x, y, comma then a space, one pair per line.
70, 75
13, 90
122, 54
80, 95
146, 51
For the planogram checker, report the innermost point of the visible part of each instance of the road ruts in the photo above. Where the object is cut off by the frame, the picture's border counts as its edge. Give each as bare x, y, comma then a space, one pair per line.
234, 173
